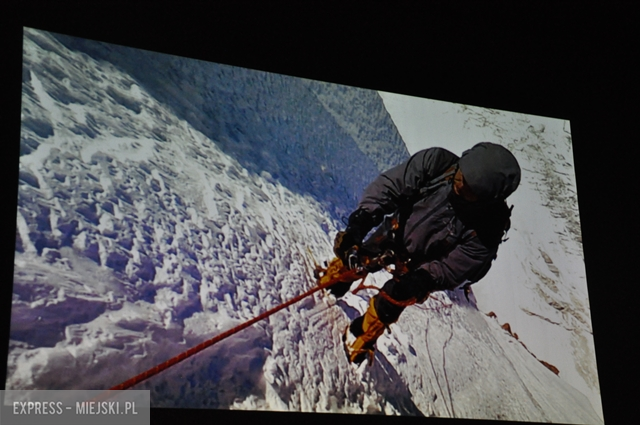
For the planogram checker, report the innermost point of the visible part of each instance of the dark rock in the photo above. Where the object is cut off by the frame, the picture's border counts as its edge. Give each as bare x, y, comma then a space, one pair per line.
126, 243
51, 255
93, 252
188, 310
89, 212
62, 94
112, 234
83, 130
125, 101
29, 178
28, 145
45, 325
43, 221
158, 134
62, 194
41, 127
155, 185
146, 270
108, 207
91, 129
192, 270
192, 255
68, 230
19, 246
121, 194
144, 168
147, 293
117, 261
41, 241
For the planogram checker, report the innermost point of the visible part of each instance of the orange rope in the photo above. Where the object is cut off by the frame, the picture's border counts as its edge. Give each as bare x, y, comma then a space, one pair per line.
407, 303
334, 273
190, 352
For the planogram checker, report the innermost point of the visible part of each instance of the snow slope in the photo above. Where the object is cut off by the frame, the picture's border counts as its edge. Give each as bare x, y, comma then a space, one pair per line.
550, 309
163, 201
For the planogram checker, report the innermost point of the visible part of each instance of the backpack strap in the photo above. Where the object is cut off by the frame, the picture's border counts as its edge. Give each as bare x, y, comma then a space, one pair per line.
439, 181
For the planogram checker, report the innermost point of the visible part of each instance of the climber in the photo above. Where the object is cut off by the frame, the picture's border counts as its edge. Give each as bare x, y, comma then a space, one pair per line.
444, 215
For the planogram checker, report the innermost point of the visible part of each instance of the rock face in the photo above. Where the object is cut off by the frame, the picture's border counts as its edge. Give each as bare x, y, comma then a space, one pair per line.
163, 201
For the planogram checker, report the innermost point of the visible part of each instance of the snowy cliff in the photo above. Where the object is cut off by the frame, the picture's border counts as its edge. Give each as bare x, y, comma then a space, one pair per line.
164, 200
538, 285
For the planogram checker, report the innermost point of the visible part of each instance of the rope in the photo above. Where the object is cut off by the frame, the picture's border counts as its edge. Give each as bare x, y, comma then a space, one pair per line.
383, 294
190, 352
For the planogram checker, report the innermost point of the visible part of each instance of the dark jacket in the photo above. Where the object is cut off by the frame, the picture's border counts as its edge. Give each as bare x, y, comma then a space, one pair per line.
454, 241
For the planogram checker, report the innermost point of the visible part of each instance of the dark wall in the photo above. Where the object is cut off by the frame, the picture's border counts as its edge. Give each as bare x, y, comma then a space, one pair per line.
567, 61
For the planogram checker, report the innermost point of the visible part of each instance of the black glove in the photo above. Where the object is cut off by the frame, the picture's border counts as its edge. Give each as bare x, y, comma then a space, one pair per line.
415, 285
360, 222
339, 289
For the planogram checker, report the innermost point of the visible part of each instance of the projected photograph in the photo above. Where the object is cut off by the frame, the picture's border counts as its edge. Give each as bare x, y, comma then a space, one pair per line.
165, 201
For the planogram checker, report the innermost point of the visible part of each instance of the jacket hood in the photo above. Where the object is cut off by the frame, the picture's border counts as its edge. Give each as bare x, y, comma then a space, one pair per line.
490, 170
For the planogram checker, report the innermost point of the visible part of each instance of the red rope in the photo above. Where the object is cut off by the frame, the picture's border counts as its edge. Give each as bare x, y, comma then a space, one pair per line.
407, 303
190, 352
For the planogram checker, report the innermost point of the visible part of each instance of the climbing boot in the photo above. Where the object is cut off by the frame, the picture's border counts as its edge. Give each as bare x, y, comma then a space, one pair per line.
361, 335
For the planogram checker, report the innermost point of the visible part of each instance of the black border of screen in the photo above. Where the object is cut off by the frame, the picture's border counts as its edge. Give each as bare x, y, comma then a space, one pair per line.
566, 60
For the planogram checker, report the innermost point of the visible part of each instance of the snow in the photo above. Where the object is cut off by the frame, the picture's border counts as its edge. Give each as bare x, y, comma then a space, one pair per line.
163, 201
